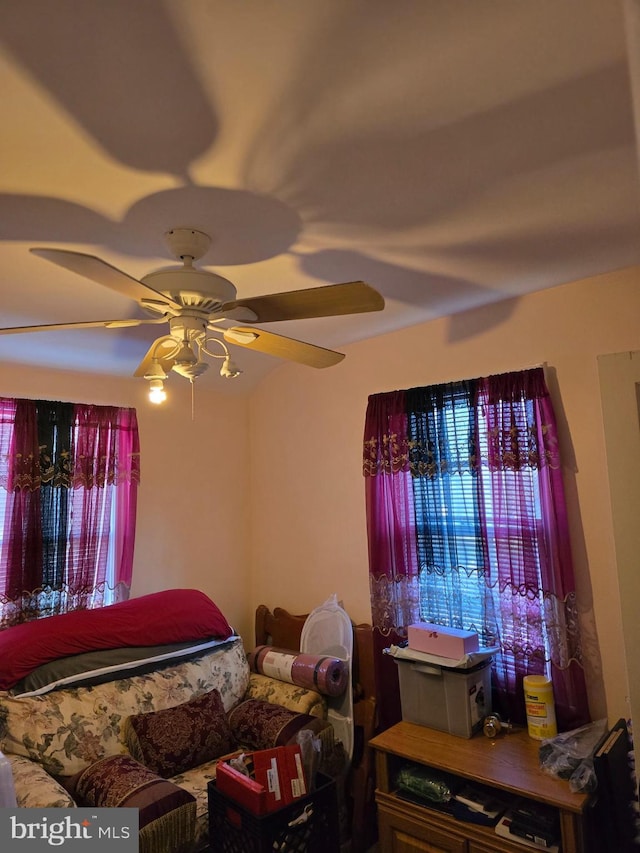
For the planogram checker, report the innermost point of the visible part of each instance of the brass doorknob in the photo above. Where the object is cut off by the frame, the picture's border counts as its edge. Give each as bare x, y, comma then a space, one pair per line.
493, 725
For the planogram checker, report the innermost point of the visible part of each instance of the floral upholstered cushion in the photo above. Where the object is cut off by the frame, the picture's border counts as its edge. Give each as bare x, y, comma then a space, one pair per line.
67, 730
35, 789
260, 725
196, 782
166, 812
289, 695
179, 738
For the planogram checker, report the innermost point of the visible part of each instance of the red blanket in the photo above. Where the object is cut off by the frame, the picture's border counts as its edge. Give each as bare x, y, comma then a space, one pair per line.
170, 616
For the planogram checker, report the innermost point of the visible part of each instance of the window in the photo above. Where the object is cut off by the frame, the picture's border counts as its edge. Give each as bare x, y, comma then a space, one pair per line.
457, 557
467, 527
451, 563
68, 484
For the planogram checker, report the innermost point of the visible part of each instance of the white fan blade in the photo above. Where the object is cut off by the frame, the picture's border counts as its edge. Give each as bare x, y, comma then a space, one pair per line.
103, 273
91, 324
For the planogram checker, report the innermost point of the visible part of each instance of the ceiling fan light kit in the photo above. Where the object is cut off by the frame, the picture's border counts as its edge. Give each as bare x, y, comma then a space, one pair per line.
195, 303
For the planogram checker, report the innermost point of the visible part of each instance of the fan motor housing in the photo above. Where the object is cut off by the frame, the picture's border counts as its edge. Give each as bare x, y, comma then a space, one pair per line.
192, 288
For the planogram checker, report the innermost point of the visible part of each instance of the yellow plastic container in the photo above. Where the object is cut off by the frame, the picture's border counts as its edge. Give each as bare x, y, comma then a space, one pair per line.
540, 707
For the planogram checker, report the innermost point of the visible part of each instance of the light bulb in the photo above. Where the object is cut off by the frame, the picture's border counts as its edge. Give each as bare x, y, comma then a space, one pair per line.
157, 394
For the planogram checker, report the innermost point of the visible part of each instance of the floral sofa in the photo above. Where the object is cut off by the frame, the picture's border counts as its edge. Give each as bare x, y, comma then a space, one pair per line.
148, 740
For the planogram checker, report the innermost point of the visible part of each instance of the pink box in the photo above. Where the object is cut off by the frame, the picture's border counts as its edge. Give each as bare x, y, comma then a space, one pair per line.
444, 642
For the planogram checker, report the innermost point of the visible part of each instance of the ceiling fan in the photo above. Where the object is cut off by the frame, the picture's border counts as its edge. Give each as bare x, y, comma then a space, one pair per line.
196, 302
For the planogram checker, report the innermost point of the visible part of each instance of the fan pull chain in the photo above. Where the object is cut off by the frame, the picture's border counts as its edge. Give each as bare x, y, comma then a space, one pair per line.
193, 400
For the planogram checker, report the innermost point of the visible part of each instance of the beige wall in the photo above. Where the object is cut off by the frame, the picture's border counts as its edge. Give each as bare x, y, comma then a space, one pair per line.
192, 502
620, 391
261, 500
308, 533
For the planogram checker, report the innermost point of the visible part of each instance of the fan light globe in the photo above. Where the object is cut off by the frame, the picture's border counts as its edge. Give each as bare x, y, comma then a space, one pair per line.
229, 370
185, 355
157, 394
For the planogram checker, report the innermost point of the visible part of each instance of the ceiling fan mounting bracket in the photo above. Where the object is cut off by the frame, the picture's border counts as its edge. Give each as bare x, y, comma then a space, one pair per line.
186, 243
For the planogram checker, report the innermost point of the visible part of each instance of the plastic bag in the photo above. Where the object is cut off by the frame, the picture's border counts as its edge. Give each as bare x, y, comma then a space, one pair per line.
425, 783
570, 755
310, 749
239, 763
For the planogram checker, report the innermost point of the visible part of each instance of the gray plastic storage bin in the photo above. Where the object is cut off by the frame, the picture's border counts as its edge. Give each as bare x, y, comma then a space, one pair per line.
451, 700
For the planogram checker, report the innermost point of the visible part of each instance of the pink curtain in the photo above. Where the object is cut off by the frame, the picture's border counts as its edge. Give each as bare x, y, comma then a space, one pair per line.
393, 563
105, 466
521, 568
21, 557
61, 481
529, 554
126, 486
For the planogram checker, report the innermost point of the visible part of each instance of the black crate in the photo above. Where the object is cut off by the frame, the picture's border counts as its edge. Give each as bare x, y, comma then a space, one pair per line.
308, 825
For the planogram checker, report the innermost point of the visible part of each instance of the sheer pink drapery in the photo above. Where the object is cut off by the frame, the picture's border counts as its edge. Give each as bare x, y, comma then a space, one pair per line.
105, 467
391, 522
528, 551
128, 455
21, 557
529, 590
88, 455
393, 563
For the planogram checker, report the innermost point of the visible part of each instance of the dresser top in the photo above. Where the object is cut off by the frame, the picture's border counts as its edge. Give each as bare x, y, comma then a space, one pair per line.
510, 761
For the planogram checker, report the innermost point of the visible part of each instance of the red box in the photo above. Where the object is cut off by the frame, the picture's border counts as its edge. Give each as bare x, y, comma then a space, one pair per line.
444, 642
270, 773
296, 784
279, 779
235, 785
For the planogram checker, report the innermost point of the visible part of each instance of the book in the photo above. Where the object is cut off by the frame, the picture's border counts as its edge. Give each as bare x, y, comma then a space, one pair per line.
606, 744
460, 811
242, 789
530, 818
540, 839
503, 828
294, 784
269, 773
480, 800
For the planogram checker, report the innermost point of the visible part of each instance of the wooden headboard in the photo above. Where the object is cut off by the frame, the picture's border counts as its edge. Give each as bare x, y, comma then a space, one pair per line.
283, 629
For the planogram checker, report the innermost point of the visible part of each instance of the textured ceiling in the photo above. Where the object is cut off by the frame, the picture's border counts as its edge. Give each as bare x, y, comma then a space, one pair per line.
450, 154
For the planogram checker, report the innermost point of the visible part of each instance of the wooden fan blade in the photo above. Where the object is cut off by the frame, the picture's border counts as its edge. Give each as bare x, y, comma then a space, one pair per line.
354, 297
103, 273
161, 350
281, 347
90, 324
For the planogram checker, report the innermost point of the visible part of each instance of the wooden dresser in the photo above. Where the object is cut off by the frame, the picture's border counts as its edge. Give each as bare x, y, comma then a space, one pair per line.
509, 764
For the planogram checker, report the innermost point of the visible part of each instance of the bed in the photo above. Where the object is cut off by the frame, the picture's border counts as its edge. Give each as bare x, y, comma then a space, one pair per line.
279, 627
